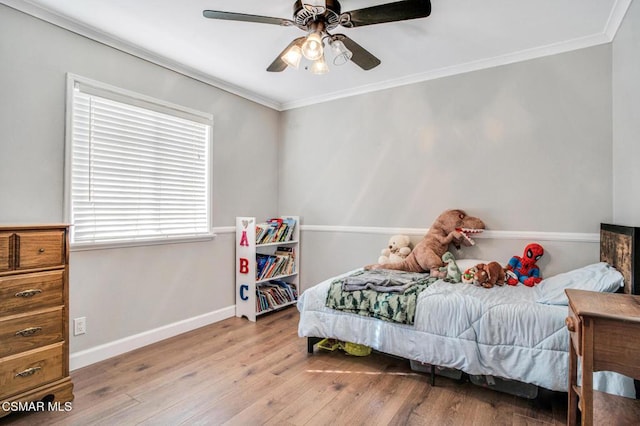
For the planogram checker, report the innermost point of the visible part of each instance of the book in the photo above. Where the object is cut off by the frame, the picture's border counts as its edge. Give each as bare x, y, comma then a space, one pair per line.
261, 230
275, 293
275, 230
291, 224
283, 250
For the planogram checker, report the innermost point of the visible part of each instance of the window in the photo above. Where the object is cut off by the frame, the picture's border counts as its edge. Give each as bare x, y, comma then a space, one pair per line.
138, 170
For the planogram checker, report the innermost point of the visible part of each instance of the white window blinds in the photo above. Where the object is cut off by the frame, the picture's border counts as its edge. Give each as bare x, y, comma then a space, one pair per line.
139, 170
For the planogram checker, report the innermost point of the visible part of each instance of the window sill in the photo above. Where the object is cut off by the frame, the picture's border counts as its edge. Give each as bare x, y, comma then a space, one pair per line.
141, 242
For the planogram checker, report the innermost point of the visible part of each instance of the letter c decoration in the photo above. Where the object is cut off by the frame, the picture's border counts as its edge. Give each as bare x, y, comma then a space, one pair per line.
243, 289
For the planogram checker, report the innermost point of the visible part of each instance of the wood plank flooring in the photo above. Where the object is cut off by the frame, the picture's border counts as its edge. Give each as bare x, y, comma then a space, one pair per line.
236, 372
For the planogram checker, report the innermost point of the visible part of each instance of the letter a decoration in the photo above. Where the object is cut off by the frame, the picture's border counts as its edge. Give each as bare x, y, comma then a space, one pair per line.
243, 240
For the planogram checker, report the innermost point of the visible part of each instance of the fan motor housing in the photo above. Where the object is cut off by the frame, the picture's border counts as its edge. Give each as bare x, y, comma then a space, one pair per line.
304, 18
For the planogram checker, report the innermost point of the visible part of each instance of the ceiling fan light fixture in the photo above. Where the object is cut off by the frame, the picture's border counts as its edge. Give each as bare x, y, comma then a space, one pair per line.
342, 55
319, 66
293, 56
317, 7
317, 17
312, 47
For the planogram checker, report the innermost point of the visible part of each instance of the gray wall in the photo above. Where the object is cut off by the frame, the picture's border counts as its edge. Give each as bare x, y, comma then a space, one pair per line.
626, 119
493, 141
526, 147
126, 291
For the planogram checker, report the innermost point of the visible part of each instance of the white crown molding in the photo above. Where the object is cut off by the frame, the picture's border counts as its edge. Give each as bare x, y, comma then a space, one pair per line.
117, 347
611, 28
580, 237
107, 39
615, 19
496, 61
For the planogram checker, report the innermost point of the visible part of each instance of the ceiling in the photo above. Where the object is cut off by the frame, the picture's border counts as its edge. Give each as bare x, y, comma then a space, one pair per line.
459, 36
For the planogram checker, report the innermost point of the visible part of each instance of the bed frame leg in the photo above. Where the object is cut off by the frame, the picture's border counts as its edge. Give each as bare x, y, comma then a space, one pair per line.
433, 375
311, 341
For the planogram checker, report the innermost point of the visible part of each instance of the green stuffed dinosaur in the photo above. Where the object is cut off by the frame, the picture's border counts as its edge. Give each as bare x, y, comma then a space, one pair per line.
453, 274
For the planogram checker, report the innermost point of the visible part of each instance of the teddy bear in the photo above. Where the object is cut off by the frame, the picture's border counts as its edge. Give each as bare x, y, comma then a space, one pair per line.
489, 274
451, 227
524, 269
398, 249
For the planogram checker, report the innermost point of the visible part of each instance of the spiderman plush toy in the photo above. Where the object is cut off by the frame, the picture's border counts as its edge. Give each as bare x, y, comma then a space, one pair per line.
524, 269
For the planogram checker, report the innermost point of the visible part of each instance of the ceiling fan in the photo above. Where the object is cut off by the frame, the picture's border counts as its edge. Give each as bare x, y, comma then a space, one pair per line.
317, 18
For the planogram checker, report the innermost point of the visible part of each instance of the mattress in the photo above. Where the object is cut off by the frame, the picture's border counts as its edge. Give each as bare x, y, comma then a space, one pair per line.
500, 332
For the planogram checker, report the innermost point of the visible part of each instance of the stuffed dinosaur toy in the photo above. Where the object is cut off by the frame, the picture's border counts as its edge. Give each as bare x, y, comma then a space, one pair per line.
450, 268
469, 276
489, 274
451, 227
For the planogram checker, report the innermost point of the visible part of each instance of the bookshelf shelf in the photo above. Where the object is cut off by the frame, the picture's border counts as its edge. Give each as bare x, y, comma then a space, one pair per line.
283, 243
284, 305
278, 277
267, 265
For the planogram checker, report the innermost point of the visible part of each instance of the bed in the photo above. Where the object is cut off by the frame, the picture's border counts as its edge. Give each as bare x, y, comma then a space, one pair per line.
507, 333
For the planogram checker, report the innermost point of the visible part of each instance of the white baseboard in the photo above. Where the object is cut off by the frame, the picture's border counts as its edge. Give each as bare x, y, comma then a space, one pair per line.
100, 353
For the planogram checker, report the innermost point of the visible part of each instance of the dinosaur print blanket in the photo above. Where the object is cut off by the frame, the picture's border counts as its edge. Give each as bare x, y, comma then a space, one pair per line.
357, 293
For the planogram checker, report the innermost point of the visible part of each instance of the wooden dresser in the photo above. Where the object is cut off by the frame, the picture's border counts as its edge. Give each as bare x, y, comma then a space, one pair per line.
605, 334
34, 315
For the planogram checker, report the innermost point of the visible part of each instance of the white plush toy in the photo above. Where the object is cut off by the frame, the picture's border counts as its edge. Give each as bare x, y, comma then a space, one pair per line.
399, 247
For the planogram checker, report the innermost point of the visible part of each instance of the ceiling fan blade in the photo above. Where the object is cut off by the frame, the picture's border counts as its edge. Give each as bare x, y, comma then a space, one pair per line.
390, 12
361, 57
278, 65
232, 16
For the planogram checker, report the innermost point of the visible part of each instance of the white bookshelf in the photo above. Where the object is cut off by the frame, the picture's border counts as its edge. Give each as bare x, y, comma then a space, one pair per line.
248, 255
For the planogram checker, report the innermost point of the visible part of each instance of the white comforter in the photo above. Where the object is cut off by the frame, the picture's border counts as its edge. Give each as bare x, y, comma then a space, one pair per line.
500, 332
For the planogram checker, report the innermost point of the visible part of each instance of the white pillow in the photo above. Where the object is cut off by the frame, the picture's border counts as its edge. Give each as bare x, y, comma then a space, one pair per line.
596, 277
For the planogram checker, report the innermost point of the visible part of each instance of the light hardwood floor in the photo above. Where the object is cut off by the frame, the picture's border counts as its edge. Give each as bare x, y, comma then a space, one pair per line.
244, 373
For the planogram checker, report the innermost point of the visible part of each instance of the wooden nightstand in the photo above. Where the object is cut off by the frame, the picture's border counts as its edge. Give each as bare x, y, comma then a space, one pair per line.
605, 332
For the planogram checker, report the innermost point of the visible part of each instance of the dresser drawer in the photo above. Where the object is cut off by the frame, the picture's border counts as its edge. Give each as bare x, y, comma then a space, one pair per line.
20, 373
26, 332
39, 249
6, 251
23, 293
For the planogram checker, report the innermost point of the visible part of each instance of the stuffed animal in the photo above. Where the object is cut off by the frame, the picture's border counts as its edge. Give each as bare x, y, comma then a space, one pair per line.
398, 249
450, 268
452, 226
525, 268
489, 274
469, 276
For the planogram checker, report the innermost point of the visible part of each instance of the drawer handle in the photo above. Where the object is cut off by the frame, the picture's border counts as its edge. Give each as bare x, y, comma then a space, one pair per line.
41, 250
29, 293
28, 372
571, 325
28, 331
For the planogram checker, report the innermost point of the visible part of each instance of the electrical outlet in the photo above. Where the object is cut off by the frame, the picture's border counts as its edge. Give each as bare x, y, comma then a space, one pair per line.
79, 326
